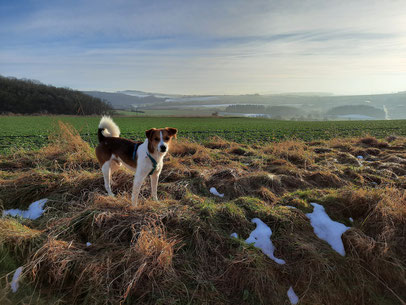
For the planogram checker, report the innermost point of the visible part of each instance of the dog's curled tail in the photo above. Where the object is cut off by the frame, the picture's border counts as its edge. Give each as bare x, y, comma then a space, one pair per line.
107, 128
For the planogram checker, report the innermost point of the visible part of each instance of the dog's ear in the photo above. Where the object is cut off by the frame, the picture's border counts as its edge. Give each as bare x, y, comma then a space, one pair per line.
149, 132
171, 131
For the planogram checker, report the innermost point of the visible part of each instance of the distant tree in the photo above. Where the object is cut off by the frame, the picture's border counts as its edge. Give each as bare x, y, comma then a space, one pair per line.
27, 97
359, 110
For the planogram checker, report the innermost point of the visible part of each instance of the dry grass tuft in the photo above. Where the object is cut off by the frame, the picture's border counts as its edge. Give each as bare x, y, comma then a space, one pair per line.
254, 279
233, 184
123, 272
174, 170
295, 152
185, 148
68, 138
190, 153
13, 231
28, 187
343, 144
323, 179
153, 245
240, 150
373, 142
217, 143
267, 195
66, 144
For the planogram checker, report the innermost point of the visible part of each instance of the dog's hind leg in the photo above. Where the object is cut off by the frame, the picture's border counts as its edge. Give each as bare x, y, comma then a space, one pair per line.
107, 177
114, 166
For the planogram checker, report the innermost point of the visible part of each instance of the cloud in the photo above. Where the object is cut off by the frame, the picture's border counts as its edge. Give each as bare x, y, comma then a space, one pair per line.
207, 46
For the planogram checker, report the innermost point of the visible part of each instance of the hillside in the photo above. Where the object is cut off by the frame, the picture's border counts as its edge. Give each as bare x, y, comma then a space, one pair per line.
93, 249
313, 104
125, 101
28, 97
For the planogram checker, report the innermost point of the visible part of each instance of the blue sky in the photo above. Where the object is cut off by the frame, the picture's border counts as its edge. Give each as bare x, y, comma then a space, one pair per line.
207, 47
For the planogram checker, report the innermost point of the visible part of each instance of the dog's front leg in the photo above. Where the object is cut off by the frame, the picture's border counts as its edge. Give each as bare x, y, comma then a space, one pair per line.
138, 180
154, 186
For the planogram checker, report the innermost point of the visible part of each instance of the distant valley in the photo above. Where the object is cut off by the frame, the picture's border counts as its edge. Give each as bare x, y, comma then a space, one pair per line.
311, 106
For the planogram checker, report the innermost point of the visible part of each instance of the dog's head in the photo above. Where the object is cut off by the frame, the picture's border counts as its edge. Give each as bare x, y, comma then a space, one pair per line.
160, 139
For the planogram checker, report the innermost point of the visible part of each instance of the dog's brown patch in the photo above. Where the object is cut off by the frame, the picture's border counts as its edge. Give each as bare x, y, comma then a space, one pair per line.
120, 147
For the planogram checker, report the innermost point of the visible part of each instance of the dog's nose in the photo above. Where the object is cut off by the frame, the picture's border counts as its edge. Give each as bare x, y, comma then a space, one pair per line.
163, 148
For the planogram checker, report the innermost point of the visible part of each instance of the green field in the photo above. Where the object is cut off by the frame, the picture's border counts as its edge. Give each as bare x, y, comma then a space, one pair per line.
32, 131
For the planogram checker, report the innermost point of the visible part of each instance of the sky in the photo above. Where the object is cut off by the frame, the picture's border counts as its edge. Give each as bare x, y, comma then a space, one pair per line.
207, 47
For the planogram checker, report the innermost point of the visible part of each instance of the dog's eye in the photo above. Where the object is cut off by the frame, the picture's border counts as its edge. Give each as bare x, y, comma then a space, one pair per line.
157, 139
166, 138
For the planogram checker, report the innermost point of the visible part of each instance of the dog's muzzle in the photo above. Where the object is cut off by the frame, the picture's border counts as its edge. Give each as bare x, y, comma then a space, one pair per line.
163, 148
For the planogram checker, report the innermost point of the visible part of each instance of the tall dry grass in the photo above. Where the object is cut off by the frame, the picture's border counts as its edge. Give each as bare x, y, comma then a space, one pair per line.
179, 250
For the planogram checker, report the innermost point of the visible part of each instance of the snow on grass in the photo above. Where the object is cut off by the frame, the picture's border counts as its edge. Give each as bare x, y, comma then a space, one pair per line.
352, 220
360, 157
235, 235
16, 278
261, 238
34, 211
88, 244
293, 298
327, 229
214, 192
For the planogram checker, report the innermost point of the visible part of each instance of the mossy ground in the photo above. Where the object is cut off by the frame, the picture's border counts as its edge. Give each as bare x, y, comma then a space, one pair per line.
179, 250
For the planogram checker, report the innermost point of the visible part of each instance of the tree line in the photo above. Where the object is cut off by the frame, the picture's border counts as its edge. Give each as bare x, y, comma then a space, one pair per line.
28, 97
358, 109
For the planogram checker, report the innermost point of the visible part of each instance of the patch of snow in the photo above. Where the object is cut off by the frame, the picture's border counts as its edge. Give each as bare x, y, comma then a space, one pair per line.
88, 244
235, 235
34, 211
352, 220
214, 192
291, 207
293, 298
261, 238
360, 157
16, 278
327, 229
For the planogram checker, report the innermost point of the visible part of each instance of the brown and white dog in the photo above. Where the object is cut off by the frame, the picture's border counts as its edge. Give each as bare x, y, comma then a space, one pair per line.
143, 158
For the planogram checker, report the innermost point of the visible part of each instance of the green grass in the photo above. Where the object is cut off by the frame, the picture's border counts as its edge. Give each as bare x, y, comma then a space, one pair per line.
33, 131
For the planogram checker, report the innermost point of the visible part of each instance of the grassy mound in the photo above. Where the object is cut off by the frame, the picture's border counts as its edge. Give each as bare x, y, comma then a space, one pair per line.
179, 250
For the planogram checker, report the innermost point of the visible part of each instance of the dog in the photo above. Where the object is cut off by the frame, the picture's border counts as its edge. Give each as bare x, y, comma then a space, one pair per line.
142, 158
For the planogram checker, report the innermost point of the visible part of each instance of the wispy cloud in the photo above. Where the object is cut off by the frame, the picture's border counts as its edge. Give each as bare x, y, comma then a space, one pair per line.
207, 46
